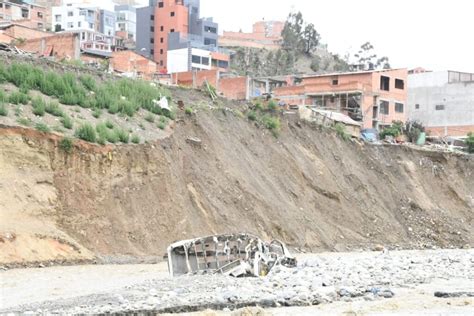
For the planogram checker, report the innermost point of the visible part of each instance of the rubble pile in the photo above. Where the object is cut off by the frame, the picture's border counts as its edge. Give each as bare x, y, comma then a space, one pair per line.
317, 279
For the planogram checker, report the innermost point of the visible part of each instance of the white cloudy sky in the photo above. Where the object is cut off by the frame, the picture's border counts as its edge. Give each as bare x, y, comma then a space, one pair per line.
435, 34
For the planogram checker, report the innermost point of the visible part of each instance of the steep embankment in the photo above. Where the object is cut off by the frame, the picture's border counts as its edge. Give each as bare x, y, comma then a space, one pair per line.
308, 188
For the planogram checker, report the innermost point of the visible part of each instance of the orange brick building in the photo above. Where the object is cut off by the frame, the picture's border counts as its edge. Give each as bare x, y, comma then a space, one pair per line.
59, 46
374, 98
129, 62
29, 15
265, 34
170, 16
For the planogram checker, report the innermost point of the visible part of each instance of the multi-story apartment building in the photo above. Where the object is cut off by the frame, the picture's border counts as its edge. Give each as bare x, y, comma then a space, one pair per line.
126, 22
172, 32
95, 26
443, 101
26, 14
72, 17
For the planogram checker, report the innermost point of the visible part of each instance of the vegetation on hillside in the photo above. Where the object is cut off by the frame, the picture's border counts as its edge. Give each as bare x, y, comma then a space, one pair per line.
122, 97
301, 44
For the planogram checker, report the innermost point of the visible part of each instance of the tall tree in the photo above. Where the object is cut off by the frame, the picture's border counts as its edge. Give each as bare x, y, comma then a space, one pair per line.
366, 59
310, 38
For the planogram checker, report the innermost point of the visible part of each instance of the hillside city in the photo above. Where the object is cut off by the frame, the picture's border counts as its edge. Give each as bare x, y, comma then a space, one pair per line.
153, 163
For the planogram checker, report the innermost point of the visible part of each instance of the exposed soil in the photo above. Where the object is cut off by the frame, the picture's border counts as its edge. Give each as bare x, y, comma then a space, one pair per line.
308, 188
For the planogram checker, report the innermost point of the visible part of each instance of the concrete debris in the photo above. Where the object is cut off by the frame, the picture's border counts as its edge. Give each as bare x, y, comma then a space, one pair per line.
194, 141
236, 255
12, 49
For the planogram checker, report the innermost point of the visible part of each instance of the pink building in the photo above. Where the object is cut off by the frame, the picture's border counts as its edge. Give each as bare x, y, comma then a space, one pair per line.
374, 98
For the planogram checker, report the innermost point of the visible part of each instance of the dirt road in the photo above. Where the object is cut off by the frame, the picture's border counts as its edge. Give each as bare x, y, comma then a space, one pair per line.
365, 283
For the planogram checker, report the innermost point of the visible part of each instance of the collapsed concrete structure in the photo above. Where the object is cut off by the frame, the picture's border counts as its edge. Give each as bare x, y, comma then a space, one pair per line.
232, 254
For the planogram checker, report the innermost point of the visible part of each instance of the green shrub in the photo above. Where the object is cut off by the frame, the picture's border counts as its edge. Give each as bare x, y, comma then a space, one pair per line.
24, 121
109, 124
413, 129
258, 106
86, 132
88, 82
272, 105
393, 130
97, 113
54, 108
3, 96
39, 106
188, 111
18, 98
112, 137
102, 131
252, 115
163, 119
341, 131
66, 144
135, 139
161, 125
150, 118
169, 114
42, 127
470, 142
67, 122
122, 135
113, 108
3, 110
69, 99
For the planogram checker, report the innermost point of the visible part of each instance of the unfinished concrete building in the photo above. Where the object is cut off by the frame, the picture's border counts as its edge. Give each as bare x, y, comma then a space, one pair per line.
443, 101
374, 98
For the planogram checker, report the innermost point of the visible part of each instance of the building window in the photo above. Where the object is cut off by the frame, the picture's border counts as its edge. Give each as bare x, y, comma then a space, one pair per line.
172, 14
161, 63
40, 25
162, 40
205, 61
209, 29
335, 82
70, 13
162, 28
196, 59
161, 4
152, 29
399, 84
210, 41
152, 17
161, 51
384, 107
417, 106
70, 25
57, 18
152, 52
440, 107
79, 24
384, 83
398, 107
91, 25
40, 15
172, 31
152, 40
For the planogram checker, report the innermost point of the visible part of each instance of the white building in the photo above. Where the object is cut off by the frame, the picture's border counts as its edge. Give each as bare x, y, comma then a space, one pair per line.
443, 101
71, 17
186, 59
126, 21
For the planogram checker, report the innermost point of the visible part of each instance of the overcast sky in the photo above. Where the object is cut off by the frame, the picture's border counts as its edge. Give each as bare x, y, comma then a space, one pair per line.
434, 34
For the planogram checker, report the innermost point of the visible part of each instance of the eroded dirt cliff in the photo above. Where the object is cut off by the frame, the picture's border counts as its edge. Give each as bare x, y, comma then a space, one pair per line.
308, 188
